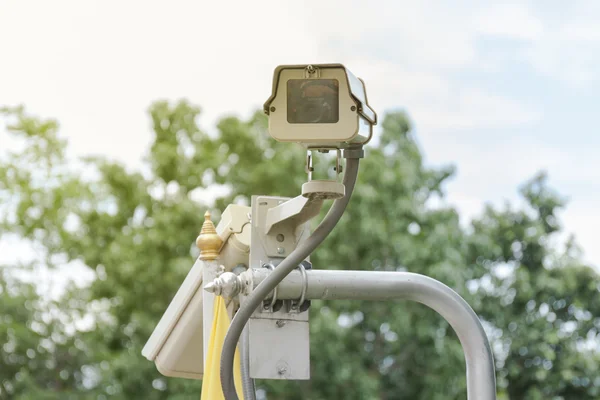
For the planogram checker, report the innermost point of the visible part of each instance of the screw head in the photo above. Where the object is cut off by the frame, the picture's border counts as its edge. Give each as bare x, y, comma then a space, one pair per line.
282, 367
272, 109
280, 250
280, 323
353, 108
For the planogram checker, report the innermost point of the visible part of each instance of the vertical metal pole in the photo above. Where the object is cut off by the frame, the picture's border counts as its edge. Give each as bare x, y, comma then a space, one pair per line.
367, 285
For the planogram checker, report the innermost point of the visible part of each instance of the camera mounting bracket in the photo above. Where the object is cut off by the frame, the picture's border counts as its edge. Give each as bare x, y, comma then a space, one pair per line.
323, 189
278, 334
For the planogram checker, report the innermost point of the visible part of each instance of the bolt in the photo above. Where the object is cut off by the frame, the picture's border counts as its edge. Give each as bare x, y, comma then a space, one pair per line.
272, 109
281, 370
280, 323
310, 69
353, 108
227, 285
280, 250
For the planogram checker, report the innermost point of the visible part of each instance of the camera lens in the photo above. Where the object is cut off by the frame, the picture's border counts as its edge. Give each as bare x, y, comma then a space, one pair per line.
313, 101
314, 111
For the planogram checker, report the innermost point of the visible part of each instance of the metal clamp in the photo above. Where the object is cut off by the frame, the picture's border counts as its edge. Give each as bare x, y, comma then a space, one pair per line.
271, 306
297, 305
354, 152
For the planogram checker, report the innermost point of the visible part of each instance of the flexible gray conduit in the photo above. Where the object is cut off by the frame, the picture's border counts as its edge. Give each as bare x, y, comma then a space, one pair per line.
286, 266
247, 382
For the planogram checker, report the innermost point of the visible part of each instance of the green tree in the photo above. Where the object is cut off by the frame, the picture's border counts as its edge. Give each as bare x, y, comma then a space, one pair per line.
136, 229
543, 303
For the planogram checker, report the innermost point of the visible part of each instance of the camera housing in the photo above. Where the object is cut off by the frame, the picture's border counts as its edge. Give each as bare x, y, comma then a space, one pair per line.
319, 106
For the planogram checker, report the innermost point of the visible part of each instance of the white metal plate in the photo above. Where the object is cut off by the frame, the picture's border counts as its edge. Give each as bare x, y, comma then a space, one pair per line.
279, 349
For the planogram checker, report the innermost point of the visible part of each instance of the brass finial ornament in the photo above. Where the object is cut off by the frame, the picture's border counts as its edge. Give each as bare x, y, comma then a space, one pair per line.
209, 242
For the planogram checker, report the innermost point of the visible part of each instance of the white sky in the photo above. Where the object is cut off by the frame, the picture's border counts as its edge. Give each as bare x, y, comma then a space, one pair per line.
501, 91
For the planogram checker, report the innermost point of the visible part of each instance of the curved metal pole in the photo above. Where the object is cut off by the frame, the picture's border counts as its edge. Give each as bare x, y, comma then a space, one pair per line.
372, 285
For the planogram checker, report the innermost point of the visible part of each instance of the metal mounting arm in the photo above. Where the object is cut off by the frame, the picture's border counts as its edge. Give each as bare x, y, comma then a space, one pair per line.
382, 286
300, 209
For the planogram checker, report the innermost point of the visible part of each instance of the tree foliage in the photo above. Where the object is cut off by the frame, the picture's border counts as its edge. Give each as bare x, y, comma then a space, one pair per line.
135, 229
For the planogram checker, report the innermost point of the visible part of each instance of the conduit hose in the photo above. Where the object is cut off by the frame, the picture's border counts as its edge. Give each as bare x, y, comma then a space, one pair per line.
247, 382
286, 266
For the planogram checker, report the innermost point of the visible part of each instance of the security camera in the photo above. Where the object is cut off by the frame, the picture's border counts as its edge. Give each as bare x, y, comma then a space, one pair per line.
319, 106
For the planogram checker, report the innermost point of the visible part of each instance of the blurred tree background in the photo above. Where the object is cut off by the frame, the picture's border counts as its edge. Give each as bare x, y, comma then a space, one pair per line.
135, 229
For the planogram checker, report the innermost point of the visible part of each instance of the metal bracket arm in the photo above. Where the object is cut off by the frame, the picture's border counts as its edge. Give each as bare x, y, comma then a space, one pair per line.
385, 286
299, 210
374, 285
